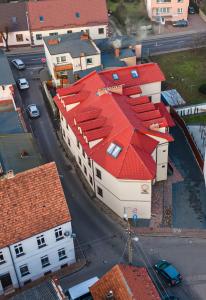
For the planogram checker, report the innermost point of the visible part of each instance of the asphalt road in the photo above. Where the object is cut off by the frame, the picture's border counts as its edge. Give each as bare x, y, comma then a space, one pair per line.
102, 240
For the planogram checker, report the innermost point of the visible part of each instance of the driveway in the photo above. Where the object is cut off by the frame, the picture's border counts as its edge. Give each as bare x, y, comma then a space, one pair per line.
189, 205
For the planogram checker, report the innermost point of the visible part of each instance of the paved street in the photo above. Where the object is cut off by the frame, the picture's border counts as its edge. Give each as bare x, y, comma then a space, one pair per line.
101, 239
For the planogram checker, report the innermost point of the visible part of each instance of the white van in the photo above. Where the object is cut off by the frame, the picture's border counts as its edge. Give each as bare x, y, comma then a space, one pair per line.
81, 290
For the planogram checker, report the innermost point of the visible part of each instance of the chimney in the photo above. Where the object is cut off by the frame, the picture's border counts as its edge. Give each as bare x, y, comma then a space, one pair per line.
54, 41
10, 174
84, 36
110, 296
116, 52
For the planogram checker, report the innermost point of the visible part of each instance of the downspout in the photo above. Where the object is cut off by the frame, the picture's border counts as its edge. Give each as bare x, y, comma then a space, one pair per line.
27, 20
14, 267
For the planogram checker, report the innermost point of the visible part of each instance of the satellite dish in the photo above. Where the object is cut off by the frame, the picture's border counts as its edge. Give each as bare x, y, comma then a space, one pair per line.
67, 233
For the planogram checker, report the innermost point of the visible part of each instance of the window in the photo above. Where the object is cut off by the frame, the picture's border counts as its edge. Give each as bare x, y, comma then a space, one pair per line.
179, 10
19, 37
69, 31
78, 144
163, 166
58, 60
101, 30
14, 20
89, 61
115, 76
99, 191
24, 270
41, 19
45, 261
98, 174
179, 1
161, 10
19, 250
68, 141
58, 234
67, 126
90, 179
114, 150
38, 37
89, 162
77, 14
163, 1
83, 152
63, 132
80, 161
53, 33
85, 170
62, 254
63, 58
134, 74
41, 241
2, 260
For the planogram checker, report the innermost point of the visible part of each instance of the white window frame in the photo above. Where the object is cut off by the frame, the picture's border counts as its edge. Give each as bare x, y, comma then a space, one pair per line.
59, 234
180, 10
45, 261
41, 241
19, 250
62, 254
2, 260
25, 273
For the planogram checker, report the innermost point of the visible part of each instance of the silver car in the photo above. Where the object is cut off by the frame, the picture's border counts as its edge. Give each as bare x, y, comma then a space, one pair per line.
18, 63
23, 83
33, 111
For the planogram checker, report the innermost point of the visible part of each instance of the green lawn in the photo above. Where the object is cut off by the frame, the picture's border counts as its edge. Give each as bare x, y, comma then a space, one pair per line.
185, 71
195, 119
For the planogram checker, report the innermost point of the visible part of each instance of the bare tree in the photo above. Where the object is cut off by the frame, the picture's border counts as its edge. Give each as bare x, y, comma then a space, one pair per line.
4, 32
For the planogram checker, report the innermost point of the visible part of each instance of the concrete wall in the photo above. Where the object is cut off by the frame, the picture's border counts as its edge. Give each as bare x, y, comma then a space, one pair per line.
12, 39
93, 32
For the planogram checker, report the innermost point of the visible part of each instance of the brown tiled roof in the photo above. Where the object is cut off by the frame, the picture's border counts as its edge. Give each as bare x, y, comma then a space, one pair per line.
70, 13
31, 202
126, 283
13, 15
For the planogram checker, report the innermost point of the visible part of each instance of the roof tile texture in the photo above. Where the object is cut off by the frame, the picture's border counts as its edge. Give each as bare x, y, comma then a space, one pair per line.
30, 203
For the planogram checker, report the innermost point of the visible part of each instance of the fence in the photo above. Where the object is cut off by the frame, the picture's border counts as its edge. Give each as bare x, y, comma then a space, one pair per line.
191, 110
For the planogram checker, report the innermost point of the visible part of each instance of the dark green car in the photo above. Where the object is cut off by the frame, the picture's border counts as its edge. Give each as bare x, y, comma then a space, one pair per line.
168, 272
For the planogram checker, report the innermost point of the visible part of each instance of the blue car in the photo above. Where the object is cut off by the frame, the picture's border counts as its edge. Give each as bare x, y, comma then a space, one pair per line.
168, 272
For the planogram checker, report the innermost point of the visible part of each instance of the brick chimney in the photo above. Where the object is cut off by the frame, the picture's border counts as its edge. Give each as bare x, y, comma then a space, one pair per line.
10, 174
116, 52
84, 36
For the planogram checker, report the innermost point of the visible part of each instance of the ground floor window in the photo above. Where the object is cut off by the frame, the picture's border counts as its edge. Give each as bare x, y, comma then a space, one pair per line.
99, 191
19, 37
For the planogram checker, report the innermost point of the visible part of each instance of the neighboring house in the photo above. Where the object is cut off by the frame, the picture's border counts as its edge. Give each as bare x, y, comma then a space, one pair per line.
6, 85
35, 227
117, 129
66, 16
125, 282
68, 55
167, 10
14, 17
47, 290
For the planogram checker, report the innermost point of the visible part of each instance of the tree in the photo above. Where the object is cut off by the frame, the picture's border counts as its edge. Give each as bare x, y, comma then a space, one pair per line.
4, 32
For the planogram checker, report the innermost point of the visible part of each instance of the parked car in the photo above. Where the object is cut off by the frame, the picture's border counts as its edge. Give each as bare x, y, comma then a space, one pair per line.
191, 10
180, 23
33, 111
18, 63
168, 272
23, 83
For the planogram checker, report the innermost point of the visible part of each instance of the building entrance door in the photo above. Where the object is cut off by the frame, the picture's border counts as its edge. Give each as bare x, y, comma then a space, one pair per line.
5, 280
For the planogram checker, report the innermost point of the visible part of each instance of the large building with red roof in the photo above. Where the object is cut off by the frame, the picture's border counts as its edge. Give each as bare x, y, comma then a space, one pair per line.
117, 128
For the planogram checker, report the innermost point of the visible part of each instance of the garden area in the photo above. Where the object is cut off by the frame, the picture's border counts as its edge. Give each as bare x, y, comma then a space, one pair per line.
185, 71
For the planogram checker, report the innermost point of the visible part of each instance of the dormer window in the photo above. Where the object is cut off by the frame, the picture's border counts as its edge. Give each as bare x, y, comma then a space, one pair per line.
115, 76
41, 19
134, 74
77, 14
114, 150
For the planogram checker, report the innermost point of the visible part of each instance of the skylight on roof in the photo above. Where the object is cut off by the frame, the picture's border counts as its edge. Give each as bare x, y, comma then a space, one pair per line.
134, 74
115, 76
114, 150
77, 14
41, 18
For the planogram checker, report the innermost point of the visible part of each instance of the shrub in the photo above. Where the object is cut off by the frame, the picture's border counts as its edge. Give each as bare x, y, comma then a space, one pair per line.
202, 89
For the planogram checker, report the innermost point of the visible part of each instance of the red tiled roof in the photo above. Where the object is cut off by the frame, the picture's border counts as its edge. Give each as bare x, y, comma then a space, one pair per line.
126, 283
132, 90
81, 96
71, 13
128, 122
30, 203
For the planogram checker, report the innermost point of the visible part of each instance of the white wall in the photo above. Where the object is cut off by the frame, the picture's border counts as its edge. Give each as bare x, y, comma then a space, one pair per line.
6, 94
12, 39
93, 32
152, 90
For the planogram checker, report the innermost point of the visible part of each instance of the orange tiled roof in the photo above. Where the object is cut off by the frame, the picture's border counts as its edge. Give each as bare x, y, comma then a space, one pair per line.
31, 202
126, 283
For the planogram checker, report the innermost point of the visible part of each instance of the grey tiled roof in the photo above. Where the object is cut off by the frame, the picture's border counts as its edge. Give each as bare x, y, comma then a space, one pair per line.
6, 76
71, 43
10, 123
43, 291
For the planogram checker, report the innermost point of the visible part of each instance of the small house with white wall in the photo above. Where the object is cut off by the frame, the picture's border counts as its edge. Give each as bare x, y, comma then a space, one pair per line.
117, 128
35, 227
7, 83
48, 18
13, 17
69, 55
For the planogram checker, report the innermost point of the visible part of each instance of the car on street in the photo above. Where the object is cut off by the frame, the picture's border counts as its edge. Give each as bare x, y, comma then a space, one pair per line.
168, 272
180, 23
33, 111
18, 63
191, 10
23, 83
